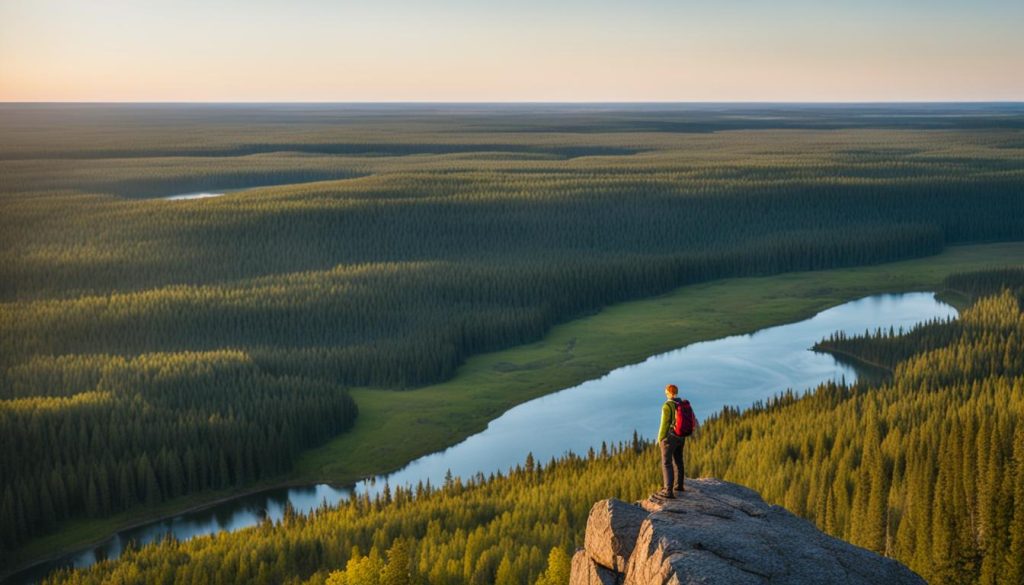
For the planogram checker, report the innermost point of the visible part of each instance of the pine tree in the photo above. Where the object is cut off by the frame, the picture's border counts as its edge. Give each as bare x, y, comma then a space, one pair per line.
398, 570
506, 574
558, 568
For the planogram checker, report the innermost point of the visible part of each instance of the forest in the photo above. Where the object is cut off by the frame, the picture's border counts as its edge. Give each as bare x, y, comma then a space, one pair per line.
926, 467
152, 348
145, 429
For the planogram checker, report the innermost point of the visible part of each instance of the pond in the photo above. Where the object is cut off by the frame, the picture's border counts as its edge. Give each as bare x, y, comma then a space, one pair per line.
204, 194
736, 371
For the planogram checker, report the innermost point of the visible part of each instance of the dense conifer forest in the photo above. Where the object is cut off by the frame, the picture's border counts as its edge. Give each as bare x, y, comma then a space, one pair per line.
927, 467
151, 348
129, 431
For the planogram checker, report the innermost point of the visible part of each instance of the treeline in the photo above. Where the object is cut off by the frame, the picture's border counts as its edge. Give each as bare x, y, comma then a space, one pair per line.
886, 348
927, 468
988, 282
91, 435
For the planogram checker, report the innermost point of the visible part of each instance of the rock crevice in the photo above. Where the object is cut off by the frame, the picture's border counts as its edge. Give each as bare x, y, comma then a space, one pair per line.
719, 532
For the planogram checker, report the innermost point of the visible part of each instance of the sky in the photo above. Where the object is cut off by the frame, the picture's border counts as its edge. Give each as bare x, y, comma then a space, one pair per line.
511, 50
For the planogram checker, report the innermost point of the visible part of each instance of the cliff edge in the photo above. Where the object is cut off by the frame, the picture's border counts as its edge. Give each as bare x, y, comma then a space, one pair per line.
719, 532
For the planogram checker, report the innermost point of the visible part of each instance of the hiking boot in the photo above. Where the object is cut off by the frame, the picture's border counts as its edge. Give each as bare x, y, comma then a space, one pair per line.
680, 488
664, 493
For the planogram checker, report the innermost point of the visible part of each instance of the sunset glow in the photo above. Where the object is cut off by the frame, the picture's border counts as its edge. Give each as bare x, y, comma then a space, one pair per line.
460, 50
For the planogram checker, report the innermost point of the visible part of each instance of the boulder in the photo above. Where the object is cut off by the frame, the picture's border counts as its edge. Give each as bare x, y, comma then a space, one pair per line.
612, 528
586, 572
719, 532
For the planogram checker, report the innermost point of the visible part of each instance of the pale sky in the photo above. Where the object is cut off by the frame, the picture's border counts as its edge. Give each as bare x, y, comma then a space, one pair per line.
507, 50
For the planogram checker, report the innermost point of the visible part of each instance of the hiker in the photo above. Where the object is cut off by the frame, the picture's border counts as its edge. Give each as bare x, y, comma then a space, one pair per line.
677, 423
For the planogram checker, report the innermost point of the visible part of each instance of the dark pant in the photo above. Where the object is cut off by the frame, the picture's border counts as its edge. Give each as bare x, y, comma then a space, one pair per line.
672, 453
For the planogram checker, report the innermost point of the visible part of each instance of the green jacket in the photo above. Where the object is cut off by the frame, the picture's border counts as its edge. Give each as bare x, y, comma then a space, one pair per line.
668, 418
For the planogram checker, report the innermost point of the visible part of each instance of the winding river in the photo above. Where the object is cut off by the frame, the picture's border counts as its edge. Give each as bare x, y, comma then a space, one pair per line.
737, 370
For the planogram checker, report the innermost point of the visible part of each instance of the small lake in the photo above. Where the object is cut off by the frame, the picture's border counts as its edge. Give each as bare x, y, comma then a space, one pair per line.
204, 194
192, 196
737, 371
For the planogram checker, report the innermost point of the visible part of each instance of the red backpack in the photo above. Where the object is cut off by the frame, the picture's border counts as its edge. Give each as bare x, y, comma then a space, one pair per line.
684, 418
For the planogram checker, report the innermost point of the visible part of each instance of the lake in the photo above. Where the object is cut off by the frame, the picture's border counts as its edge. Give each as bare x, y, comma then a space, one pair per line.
736, 371
183, 196
204, 194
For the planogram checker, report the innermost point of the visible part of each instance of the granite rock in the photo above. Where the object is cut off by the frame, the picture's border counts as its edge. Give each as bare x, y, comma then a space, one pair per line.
586, 572
719, 532
612, 528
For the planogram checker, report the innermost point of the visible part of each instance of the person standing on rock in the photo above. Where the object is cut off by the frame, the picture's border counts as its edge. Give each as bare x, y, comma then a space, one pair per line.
677, 423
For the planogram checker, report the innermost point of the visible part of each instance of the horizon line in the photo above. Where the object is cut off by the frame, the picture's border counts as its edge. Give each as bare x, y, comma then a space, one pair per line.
1011, 106
508, 102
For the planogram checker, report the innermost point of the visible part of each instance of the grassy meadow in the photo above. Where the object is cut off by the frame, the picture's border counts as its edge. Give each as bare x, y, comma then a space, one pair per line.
151, 350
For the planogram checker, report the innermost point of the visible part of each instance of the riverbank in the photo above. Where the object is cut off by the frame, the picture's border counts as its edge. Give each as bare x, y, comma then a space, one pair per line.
397, 427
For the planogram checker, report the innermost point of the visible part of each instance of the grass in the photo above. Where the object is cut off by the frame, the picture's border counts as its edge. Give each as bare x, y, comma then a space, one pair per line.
393, 428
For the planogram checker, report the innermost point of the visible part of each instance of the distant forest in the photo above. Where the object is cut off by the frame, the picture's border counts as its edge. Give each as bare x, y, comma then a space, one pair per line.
159, 348
927, 467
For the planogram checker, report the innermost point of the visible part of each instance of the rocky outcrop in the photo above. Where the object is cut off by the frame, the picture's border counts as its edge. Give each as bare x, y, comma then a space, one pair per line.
719, 532
612, 529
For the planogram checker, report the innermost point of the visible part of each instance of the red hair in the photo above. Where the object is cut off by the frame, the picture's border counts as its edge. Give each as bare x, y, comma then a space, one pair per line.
672, 389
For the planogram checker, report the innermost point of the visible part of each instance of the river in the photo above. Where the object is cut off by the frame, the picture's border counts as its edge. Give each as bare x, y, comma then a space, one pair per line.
736, 371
